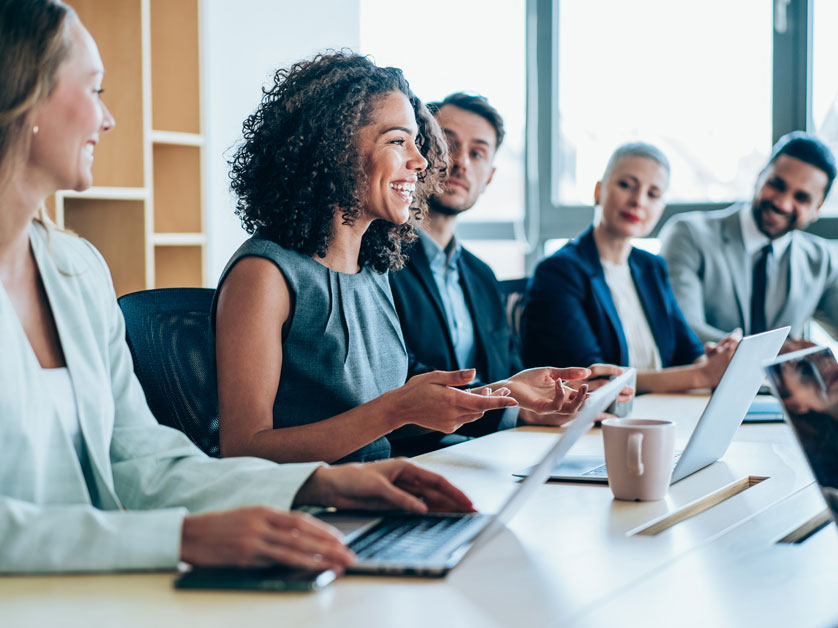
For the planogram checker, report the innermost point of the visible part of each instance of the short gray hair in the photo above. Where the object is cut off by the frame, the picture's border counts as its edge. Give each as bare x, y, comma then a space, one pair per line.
636, 149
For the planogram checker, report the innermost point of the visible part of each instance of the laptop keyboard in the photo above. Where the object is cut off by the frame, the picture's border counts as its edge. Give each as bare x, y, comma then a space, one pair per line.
602, 472
402, 538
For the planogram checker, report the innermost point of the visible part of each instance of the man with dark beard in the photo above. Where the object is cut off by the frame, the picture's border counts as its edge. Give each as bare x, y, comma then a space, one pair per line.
448, 300
750, 266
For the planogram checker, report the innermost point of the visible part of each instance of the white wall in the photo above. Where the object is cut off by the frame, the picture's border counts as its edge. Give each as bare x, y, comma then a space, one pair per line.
243, 43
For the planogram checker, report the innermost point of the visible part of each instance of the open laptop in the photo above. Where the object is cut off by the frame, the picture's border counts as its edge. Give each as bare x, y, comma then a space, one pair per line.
806, 383
433, 543
717, 425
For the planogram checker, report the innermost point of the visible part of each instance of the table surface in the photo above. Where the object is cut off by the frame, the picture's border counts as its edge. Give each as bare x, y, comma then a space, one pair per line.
572, 556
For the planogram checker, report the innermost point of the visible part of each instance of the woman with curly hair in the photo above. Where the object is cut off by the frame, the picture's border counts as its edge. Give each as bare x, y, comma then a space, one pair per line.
89, 480
311, 360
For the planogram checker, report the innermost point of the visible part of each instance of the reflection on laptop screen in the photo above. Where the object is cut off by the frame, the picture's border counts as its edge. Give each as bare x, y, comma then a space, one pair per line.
806, 382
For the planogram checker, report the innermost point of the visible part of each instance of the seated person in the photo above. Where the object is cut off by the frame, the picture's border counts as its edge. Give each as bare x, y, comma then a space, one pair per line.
311, 360
451, 311
89, 480
751, 265
600, 299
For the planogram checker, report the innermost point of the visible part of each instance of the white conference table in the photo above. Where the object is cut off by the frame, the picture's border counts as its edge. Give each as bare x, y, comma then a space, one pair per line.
572, 556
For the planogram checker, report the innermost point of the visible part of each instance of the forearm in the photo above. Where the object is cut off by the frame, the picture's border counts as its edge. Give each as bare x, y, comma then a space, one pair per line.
328, 440
673, 379
77, 537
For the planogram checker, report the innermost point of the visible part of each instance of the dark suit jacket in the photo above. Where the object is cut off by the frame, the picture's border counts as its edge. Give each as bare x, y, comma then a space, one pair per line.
570, 318
428, 339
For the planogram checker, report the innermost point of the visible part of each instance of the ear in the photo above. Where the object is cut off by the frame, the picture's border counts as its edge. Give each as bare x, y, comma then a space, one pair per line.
489, 180
597, 192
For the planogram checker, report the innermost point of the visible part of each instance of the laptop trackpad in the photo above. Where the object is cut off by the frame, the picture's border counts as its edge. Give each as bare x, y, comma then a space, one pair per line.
577, 465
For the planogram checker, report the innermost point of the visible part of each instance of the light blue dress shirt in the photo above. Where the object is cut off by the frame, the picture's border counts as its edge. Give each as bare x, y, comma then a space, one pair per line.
446, 274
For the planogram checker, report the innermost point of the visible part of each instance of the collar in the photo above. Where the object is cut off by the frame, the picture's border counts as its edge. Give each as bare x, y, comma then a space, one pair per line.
438, 257
754, 239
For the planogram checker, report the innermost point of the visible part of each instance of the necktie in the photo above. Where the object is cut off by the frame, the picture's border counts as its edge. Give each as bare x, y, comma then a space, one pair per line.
758, 323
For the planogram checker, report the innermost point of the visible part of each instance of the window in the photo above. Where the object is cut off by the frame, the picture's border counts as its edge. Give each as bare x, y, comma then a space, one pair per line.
692, 78
465, 45
825, 82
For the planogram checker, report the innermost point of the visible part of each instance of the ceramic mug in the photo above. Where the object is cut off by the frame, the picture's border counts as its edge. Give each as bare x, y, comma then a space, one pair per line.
639, 454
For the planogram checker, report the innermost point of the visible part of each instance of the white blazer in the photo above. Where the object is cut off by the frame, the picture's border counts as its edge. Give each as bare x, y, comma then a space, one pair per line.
144, 477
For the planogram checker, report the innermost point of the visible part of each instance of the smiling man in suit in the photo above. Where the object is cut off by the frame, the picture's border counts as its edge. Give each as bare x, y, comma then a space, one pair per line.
750, 265
448, 300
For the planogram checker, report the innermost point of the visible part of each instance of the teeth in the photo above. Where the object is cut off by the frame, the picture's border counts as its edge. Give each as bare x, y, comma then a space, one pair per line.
89, 148
406, 187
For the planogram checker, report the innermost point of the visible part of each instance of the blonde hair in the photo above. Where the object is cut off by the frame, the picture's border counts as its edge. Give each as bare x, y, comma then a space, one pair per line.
34, 41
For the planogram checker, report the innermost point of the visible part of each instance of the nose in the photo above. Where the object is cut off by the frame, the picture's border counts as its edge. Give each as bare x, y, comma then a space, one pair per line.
784, 202
458, 158
637, 195
416, 161
108, 121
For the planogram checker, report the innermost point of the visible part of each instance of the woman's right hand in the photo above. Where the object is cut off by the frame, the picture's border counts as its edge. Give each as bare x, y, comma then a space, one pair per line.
259, 536
430, 400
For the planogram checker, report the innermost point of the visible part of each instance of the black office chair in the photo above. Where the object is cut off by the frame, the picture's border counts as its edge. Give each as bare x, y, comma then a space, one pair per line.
168, 332
512, 292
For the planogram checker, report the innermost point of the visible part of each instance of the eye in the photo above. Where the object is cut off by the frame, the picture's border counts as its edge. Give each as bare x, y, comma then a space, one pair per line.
624, 184
398, 141
475, 154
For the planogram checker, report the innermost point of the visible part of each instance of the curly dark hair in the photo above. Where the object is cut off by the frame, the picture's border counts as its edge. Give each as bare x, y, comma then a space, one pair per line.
299, 161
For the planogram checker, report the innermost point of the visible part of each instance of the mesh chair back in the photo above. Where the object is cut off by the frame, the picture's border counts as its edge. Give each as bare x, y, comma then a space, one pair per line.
513, 293
168, 332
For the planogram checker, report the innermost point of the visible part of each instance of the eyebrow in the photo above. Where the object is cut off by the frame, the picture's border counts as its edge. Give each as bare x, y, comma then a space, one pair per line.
485, 143
403, 129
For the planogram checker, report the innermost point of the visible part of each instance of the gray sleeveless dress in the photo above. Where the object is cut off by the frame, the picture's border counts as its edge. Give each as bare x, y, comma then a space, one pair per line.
342, 344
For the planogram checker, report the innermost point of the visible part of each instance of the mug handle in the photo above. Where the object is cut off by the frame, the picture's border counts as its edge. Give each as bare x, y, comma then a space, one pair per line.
634, 447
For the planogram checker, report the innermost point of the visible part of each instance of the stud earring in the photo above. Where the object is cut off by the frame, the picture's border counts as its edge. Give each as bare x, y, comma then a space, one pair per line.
35, 130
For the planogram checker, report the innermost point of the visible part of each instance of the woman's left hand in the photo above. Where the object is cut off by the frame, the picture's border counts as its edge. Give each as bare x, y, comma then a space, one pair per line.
543, 396
394, 484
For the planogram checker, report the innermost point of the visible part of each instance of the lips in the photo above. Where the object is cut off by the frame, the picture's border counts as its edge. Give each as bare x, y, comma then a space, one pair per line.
632, 218
453, 185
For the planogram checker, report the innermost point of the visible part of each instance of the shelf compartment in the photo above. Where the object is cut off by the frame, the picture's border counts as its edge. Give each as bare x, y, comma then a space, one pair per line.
116, 228
117, 28
177, 189
175, 66
178, 266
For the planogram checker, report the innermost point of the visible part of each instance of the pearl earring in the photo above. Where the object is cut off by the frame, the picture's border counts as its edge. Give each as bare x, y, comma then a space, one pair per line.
35, 130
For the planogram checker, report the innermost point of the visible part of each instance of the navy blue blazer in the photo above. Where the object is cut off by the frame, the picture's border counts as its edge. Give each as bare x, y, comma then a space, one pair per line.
570, 318
429, 343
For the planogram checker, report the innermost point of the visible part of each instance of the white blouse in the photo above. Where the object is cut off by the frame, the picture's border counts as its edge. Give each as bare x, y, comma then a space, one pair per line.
60, 389
642, 348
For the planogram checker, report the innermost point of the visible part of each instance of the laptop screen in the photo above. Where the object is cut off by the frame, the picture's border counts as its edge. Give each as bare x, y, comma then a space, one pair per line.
806, 382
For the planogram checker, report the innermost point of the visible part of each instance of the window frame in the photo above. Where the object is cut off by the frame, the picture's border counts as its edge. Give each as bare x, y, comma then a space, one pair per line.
547, 219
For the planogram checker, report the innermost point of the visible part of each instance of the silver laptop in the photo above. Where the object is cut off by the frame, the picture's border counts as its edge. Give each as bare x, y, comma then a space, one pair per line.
806, 383
717, 425
431, 544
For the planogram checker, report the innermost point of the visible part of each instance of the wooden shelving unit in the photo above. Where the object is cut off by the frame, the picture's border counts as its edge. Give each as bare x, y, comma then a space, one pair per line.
146, 211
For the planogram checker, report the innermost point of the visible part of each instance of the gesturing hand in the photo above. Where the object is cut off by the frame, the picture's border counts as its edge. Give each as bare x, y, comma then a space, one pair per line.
541, 390
387, 484
430, 400
600, 375
258, 537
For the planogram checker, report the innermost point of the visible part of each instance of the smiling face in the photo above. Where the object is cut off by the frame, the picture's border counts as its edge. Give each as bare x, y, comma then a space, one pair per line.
632, 197
392, 160
71, 119
789, 195
471, 149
